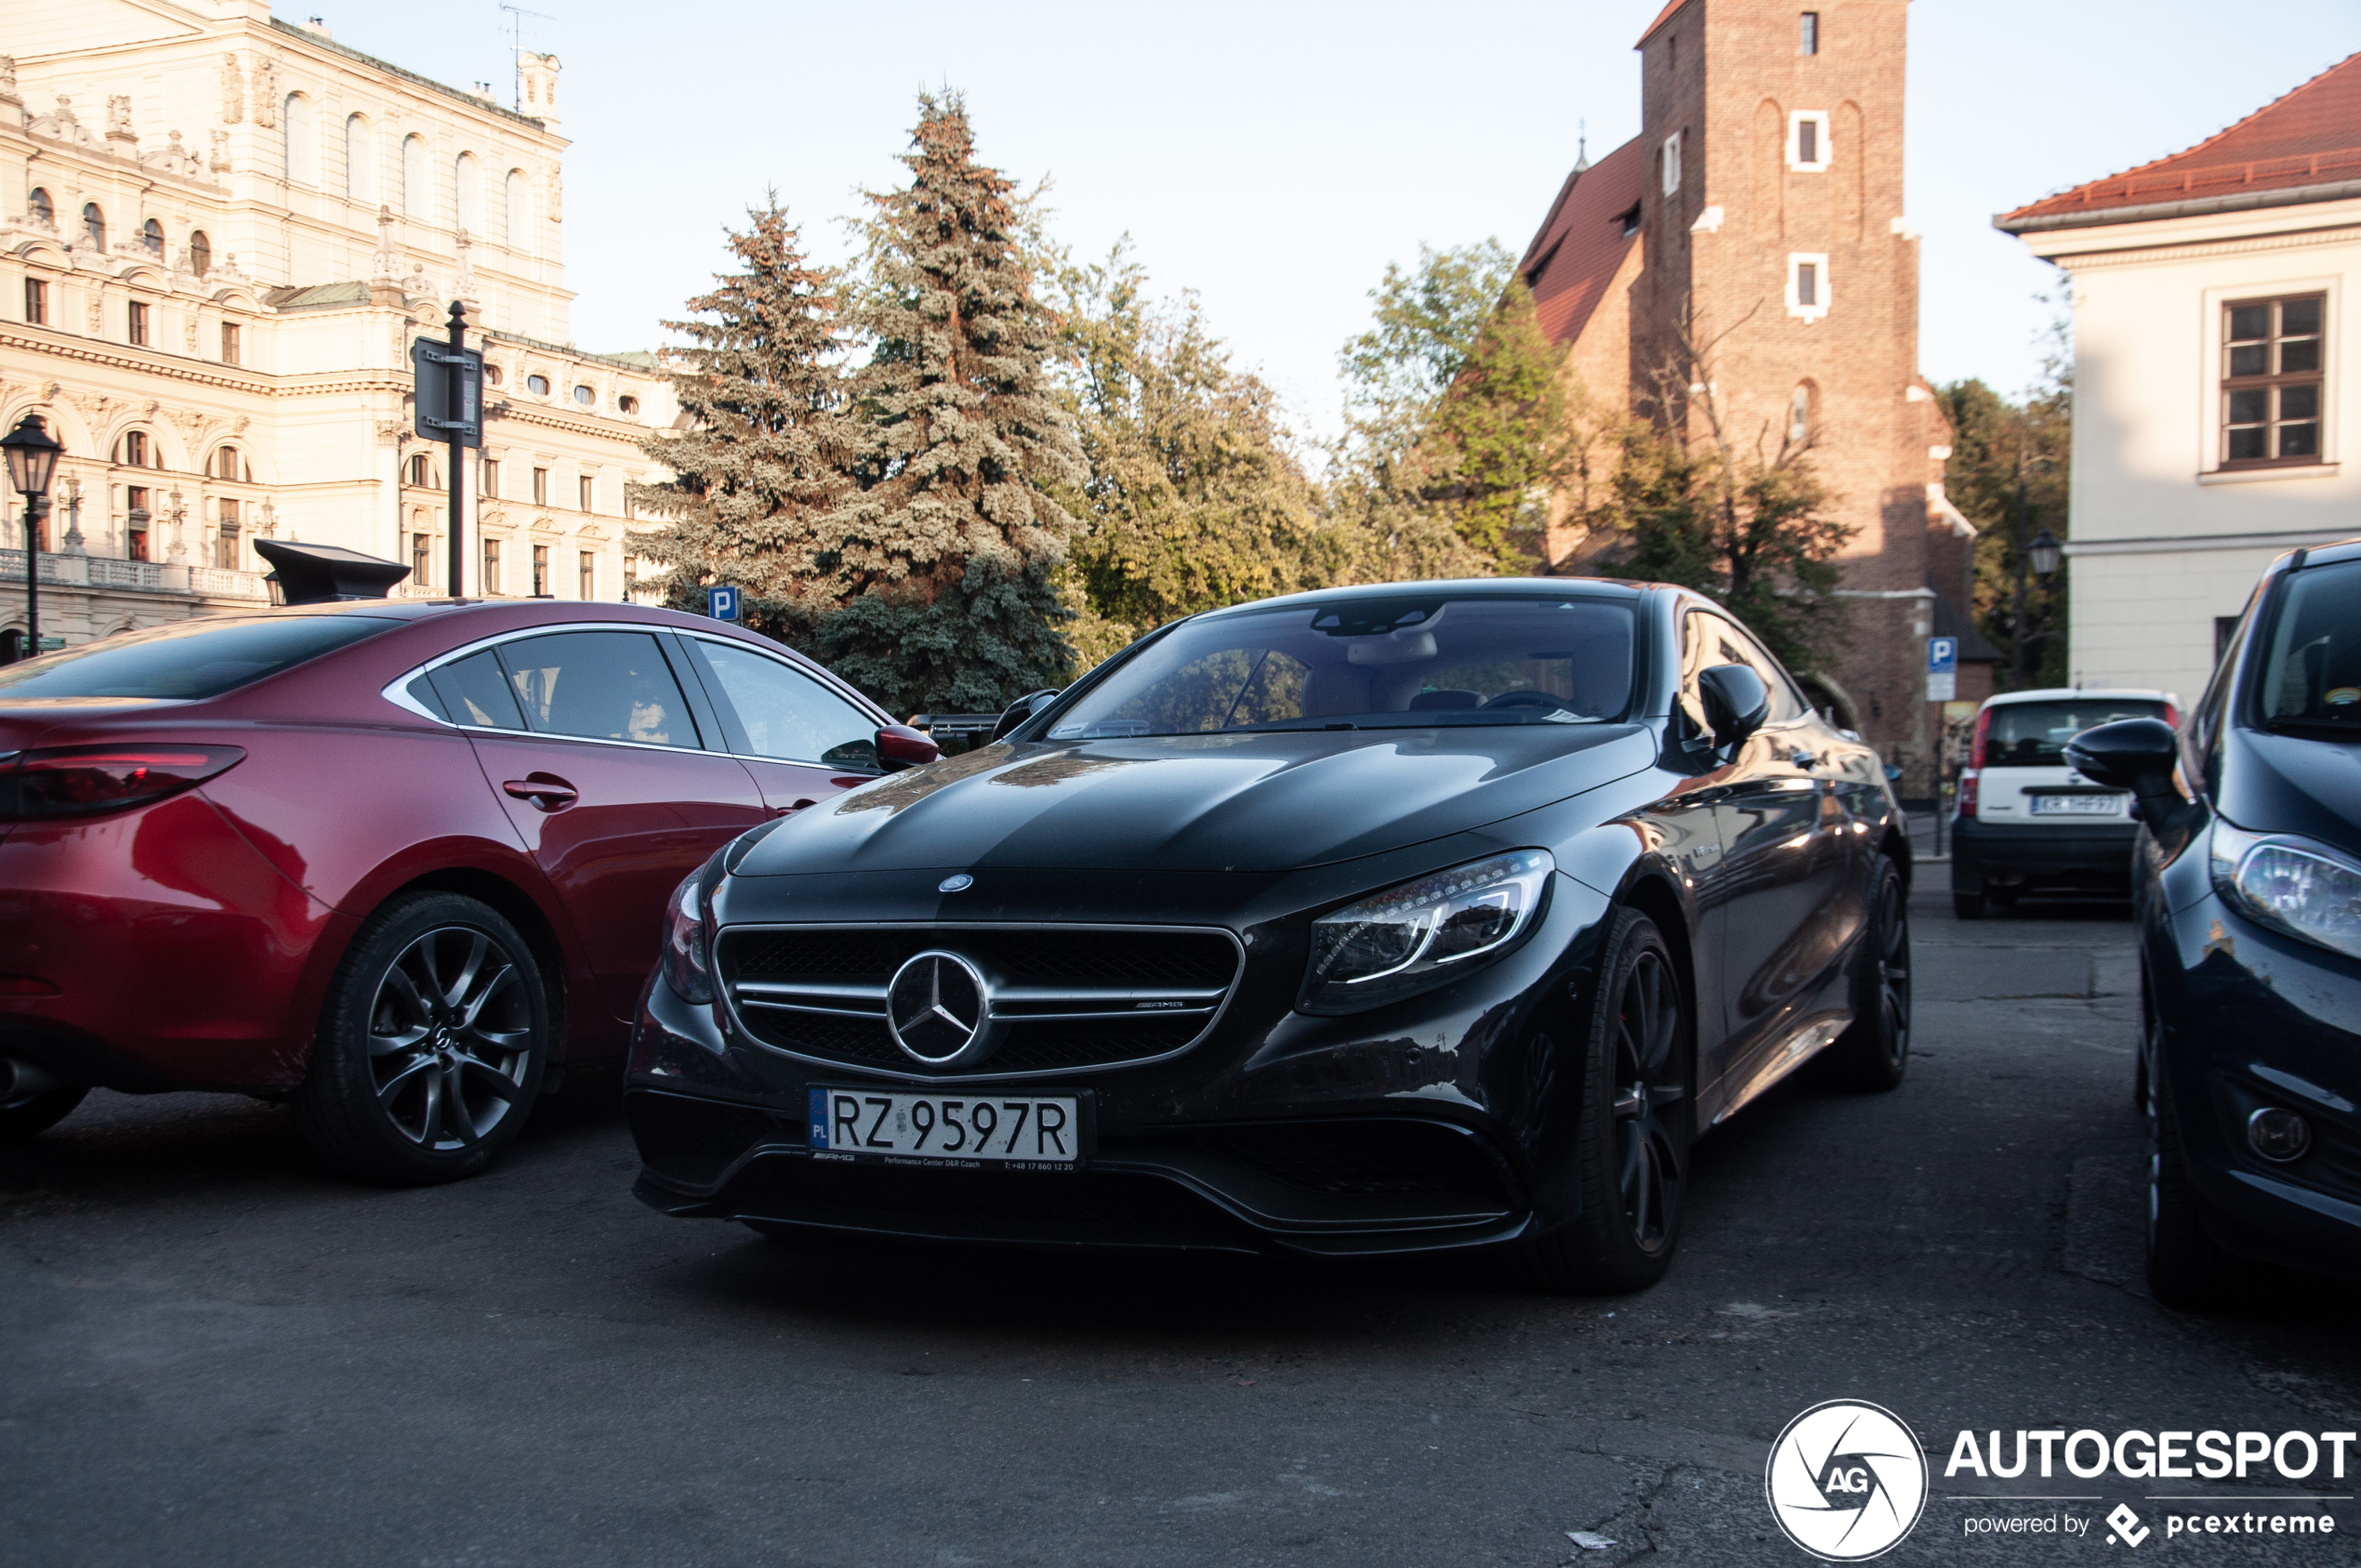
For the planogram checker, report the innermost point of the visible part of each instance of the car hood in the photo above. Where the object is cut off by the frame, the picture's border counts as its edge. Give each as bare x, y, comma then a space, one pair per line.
2294, 783
1260, 801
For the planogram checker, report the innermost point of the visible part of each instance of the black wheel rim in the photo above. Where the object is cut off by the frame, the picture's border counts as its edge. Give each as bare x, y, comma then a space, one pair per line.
450, 1038
1893, 967
1650, 1151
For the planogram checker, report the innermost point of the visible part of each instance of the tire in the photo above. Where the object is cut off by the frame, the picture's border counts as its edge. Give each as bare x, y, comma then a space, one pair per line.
31, 1101
431, 1045
2186, 1267
1874, 1053
1967, 906
2002, 898
1631, 1158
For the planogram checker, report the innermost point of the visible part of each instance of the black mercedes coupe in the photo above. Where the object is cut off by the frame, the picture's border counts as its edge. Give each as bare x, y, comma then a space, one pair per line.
1384, 919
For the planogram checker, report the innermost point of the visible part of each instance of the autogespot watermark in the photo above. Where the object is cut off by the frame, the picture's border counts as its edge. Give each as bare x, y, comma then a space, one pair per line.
1848, 1481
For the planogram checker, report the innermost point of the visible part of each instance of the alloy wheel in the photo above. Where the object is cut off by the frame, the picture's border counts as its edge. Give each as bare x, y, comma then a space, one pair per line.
1893, 967
450, 1038
1649, 1153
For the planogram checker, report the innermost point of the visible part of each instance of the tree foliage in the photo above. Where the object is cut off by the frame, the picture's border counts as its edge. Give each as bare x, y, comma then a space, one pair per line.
764, 461
2008, 472
1194, 497
944, 555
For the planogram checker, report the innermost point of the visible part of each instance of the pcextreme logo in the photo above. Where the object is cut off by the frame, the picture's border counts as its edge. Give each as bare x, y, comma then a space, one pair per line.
1846, 1480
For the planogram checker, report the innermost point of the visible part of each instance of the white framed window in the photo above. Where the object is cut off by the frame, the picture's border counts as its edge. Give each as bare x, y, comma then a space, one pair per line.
1669, 161
1808, 140
2270, 389
1808, 285
1808, 34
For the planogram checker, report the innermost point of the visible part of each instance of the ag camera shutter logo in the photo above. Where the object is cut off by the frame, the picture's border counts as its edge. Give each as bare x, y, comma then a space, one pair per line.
1846, 1480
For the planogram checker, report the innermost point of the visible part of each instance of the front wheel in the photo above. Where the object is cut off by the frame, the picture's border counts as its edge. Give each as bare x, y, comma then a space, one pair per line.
432, 1045
1873, 1054
1631, 1151
2186, 1266
31, 1101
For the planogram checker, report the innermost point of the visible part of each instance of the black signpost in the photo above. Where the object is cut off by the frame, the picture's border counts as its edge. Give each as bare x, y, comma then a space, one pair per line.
447, 405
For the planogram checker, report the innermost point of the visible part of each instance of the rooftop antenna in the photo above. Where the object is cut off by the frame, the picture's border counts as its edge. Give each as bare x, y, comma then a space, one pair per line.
516, 46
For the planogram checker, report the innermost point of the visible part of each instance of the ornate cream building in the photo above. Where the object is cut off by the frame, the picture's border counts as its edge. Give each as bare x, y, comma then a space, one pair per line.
219, 236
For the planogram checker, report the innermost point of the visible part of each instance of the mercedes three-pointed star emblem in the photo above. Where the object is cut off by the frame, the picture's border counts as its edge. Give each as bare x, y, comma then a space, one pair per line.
939, 1009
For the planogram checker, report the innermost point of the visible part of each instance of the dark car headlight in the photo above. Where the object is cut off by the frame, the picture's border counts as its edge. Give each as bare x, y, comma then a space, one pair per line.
1424, 933
2292, 885
687, 961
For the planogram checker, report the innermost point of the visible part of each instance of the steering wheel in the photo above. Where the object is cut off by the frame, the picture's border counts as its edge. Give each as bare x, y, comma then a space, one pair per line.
1526, 698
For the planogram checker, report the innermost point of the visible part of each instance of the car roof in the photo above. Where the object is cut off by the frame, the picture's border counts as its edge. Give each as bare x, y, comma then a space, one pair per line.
1614, 588
2070, 693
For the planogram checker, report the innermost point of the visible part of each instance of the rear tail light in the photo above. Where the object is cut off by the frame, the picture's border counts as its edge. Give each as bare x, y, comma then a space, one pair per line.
1967, 782
1982, 732
91, 781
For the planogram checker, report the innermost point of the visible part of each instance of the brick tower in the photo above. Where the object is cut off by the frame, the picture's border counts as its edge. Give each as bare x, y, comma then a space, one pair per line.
1757, 219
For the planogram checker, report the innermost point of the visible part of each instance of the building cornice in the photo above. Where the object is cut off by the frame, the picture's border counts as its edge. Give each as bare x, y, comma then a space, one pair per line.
2343, 235
2193, 206
98, 352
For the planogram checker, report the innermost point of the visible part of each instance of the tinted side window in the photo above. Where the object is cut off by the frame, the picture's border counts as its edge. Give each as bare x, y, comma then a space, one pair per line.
599, 686
475, 693
787, 714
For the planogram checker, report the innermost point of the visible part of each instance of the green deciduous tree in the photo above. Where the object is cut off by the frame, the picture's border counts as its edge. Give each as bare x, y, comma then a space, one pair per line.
1194, 497
945, 553
764, 461
2008, 474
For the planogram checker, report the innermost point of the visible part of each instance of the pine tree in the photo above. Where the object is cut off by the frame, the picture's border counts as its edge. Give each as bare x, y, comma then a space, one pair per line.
764, 461
946, 554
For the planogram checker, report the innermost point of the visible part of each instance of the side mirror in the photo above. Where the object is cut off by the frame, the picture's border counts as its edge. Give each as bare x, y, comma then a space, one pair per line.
1025, 707
1736, 702
2134, 754
900, 746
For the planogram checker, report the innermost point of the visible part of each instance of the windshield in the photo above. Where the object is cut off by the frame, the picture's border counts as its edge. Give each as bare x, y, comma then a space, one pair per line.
2034, 734
1371, 663
202, 658
2313, 673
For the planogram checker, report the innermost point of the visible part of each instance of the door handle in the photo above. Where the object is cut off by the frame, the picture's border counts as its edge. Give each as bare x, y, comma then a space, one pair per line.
547, 791
791, 810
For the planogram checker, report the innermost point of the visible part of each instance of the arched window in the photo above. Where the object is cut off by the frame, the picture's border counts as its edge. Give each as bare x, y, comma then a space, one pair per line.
1799, 415
152, 236
41, 209
94, 226
303, 141
200, 253
360, 160
519, 212
584, 396
538, 384
421, 471
136, 451
417, 181
227, 464
467, 190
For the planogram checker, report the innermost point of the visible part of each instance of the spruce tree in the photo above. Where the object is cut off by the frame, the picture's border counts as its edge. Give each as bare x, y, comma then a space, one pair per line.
765, 459
946, 551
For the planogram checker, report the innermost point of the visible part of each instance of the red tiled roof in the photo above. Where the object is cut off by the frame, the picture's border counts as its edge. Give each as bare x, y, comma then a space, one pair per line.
2310, 137
1662, 17
1582, 241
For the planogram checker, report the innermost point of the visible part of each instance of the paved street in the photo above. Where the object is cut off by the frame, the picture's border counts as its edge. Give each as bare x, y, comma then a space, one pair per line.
216, 1355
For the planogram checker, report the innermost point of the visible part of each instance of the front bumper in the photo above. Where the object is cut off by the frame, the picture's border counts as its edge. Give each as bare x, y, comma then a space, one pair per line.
2252, 1020
1432, 1123
2093, 857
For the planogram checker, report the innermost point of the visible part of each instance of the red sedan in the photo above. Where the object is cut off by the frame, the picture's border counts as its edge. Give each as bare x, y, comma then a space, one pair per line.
398, 862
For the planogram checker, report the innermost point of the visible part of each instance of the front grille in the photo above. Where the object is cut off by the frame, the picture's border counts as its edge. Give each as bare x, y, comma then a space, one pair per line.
1065, 998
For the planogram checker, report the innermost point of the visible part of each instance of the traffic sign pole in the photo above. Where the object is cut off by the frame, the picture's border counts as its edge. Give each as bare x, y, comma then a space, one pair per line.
459, 463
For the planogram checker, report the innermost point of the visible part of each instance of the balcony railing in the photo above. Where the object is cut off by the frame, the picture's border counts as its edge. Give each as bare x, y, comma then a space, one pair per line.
140, 577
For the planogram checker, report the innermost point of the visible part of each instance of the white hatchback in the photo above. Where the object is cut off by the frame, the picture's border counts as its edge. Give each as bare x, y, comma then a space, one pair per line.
2026, 820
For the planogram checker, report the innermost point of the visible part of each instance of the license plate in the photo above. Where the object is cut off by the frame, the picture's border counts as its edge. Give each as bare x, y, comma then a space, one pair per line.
2079, 805
1007, 1132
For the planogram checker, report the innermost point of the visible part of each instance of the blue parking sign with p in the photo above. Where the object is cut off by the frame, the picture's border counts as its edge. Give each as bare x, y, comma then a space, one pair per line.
1942, 656
722, 603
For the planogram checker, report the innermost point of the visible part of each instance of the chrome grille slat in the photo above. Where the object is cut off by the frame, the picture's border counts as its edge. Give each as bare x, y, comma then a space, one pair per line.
819, 992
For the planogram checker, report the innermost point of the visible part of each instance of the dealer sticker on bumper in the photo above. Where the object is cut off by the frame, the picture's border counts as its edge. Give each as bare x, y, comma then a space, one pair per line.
1020, 1132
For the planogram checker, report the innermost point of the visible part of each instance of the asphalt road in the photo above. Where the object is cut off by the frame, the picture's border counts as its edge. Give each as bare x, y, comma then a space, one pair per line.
217, 1354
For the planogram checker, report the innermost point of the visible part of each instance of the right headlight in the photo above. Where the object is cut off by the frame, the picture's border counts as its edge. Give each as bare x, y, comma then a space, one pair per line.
1424, 933
687, 960
2307, 890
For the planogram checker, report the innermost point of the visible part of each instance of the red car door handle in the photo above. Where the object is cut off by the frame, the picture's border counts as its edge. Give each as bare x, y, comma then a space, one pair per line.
791, 810
547, 791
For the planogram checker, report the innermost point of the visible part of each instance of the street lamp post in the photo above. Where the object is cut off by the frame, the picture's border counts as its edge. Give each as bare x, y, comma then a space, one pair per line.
33, 458
2047, 555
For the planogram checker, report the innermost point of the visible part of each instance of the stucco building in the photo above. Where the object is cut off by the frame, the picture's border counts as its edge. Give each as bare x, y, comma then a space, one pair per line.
1747, 251
2210, 365
219, 233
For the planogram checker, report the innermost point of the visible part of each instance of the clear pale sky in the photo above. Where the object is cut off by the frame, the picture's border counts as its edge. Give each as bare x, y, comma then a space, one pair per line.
1274, 154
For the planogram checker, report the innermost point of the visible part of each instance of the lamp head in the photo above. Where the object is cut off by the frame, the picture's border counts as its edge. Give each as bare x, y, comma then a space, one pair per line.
32, 457
2046, 554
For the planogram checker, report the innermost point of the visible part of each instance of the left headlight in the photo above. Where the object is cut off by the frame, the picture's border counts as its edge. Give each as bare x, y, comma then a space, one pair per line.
687, 961
2305, 889
1423, 933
